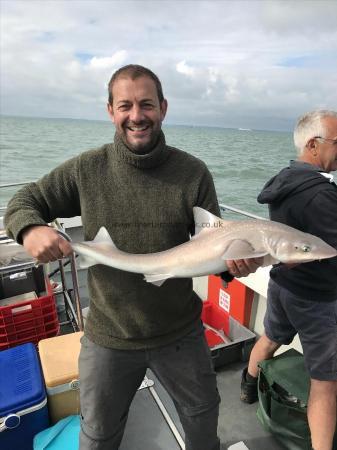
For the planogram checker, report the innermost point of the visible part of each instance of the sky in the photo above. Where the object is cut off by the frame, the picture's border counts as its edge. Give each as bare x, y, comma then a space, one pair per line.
225, 63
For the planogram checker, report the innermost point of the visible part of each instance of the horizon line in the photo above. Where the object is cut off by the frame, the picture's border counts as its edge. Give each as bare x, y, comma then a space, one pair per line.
247, 130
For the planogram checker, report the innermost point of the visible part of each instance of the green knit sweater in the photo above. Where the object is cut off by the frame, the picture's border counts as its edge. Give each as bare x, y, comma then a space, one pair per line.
145, 202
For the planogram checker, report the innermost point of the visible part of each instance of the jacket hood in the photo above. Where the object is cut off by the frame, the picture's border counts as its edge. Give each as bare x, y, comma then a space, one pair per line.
298, 177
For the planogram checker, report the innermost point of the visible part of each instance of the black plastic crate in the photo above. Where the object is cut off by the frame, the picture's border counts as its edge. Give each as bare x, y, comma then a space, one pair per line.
17, 280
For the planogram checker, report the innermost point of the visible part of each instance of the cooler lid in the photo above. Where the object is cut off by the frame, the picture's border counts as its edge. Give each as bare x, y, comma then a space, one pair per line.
21, 383
59, 358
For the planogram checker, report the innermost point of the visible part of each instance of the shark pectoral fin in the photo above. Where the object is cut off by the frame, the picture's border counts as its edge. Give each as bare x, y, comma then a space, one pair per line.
157, 279
241, 249
86, 261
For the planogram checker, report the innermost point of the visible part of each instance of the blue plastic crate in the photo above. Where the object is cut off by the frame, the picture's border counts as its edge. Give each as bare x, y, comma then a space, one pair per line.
23, 401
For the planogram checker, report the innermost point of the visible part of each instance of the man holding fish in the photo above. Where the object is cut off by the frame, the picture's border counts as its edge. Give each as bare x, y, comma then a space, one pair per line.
304, 300
143, 193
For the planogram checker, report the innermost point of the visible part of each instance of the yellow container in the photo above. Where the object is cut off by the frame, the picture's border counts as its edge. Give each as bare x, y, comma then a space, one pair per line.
59, 361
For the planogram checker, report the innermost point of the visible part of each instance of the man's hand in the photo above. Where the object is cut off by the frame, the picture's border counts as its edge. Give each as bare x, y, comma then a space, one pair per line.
243, 267
45, 244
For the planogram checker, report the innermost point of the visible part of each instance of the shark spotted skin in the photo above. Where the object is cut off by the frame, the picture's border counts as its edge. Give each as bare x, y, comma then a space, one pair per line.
216, 240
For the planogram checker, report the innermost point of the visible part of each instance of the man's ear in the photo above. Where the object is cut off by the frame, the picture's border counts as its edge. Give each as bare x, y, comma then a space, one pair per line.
312, 146
110, 112
163, 109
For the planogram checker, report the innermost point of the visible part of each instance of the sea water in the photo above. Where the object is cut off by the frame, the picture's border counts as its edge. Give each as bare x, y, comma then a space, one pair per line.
241, 161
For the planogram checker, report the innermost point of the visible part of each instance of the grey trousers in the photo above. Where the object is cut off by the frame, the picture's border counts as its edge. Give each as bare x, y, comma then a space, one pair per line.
110, 378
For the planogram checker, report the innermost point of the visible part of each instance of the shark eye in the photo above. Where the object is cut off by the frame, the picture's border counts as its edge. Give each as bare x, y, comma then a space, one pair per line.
305, 248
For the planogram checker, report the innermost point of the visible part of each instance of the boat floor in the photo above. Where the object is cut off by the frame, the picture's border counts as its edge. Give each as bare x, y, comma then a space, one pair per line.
147, 429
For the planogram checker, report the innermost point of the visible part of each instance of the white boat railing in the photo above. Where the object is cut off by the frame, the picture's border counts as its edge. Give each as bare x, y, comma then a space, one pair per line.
10, 185
22, 183
226, 208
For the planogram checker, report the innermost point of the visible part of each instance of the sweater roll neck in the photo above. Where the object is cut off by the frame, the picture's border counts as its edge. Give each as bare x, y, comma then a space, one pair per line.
154, 158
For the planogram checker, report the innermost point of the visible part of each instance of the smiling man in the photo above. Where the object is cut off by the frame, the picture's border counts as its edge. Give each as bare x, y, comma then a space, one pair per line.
137, 108
143, 192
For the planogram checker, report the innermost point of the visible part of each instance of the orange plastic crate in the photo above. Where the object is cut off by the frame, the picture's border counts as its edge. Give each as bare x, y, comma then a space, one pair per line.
217, 318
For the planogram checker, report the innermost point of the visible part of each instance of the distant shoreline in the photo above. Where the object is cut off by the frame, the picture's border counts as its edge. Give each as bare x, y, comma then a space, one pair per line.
165, 124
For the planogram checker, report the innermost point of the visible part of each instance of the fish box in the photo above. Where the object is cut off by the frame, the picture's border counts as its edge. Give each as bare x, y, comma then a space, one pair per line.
59, 361
228, 339
23, 401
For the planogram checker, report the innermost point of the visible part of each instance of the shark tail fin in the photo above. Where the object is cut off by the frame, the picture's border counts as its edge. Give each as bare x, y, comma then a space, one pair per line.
86, 261
103, 237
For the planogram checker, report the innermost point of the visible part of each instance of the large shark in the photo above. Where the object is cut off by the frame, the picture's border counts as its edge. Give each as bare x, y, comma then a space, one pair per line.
215, 241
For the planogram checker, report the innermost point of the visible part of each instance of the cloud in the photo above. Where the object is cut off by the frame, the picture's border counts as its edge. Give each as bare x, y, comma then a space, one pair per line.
108, 62
254, 64
183, 68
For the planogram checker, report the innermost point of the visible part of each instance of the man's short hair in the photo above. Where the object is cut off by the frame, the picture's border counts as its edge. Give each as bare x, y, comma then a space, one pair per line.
309, 126
134, 71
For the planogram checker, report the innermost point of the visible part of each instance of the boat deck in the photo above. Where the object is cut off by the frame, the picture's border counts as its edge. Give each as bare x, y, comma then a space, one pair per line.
237, 420
146, 429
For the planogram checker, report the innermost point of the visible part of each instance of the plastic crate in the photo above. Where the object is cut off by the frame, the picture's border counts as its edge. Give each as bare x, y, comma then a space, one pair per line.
216, 318
241, 338
29, 321
18, 279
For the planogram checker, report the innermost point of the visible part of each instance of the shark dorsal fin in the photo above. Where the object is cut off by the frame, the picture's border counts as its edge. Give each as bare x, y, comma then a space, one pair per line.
103, 237
204, 220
